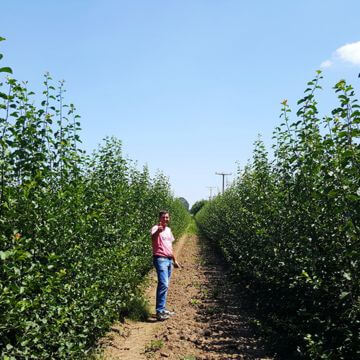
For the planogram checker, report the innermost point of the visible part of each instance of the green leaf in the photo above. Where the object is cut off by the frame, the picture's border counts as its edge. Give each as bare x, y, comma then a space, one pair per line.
2, 39
332, 193
25, 342
347, 276
352, 197
6, 69
344, 294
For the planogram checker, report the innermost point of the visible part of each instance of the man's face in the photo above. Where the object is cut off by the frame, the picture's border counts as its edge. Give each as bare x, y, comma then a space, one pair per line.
164, 219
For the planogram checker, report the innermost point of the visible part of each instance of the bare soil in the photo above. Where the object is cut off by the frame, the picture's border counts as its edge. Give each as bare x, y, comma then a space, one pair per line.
210, 321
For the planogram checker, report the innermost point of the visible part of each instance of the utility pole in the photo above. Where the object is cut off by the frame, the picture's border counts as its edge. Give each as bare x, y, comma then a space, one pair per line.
223, 179
210, 188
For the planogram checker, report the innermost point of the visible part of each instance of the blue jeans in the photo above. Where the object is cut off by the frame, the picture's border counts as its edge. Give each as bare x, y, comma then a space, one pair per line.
163, 268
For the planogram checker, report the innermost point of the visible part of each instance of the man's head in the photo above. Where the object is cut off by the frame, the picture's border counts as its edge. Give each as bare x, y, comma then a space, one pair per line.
164, 217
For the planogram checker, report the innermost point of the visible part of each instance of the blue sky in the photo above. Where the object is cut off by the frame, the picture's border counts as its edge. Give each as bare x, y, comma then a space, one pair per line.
185, 84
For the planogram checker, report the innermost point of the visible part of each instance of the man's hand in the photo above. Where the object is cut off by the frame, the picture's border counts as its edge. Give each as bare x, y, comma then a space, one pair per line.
160, 228
177, 265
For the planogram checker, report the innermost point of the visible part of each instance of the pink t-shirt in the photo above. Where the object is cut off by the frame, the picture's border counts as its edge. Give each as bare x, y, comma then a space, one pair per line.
162, 245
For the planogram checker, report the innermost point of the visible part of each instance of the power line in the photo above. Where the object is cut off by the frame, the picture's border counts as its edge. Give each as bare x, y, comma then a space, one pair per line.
223, 179
210, 188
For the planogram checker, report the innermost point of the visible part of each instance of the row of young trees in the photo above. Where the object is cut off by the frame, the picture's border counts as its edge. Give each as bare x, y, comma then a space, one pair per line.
74, 229
290, 228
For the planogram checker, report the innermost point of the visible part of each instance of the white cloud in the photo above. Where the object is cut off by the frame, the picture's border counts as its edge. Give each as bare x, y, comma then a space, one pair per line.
326, 64
349, 53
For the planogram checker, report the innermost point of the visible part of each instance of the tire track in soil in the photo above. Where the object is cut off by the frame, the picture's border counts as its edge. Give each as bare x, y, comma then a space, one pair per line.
209, 323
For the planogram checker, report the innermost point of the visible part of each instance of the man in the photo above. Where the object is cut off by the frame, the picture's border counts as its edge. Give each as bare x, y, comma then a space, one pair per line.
163, 258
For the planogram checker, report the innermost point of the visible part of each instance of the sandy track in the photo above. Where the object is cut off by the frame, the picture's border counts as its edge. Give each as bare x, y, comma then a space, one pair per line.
209, 322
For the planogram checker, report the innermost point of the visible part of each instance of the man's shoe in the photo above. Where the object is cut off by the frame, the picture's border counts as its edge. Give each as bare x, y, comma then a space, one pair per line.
168, 312
162, 316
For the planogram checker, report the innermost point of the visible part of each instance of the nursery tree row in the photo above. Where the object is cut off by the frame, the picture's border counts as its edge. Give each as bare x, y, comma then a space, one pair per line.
74, 228
290, 228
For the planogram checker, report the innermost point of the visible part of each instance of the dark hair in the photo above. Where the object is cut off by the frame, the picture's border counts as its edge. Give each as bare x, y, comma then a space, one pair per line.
162, 212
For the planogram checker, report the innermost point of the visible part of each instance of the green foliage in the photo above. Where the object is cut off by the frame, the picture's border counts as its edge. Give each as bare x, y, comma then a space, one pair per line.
138, 308
290, 228
185, 203
192, 228
74, 229
197, 206
179, 217
153, 346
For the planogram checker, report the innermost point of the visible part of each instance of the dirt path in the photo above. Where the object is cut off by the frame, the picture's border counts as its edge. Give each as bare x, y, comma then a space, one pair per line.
209, 321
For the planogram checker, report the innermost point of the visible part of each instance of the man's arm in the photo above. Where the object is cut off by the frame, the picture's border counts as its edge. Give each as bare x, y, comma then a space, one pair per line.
157, 232
176, 264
